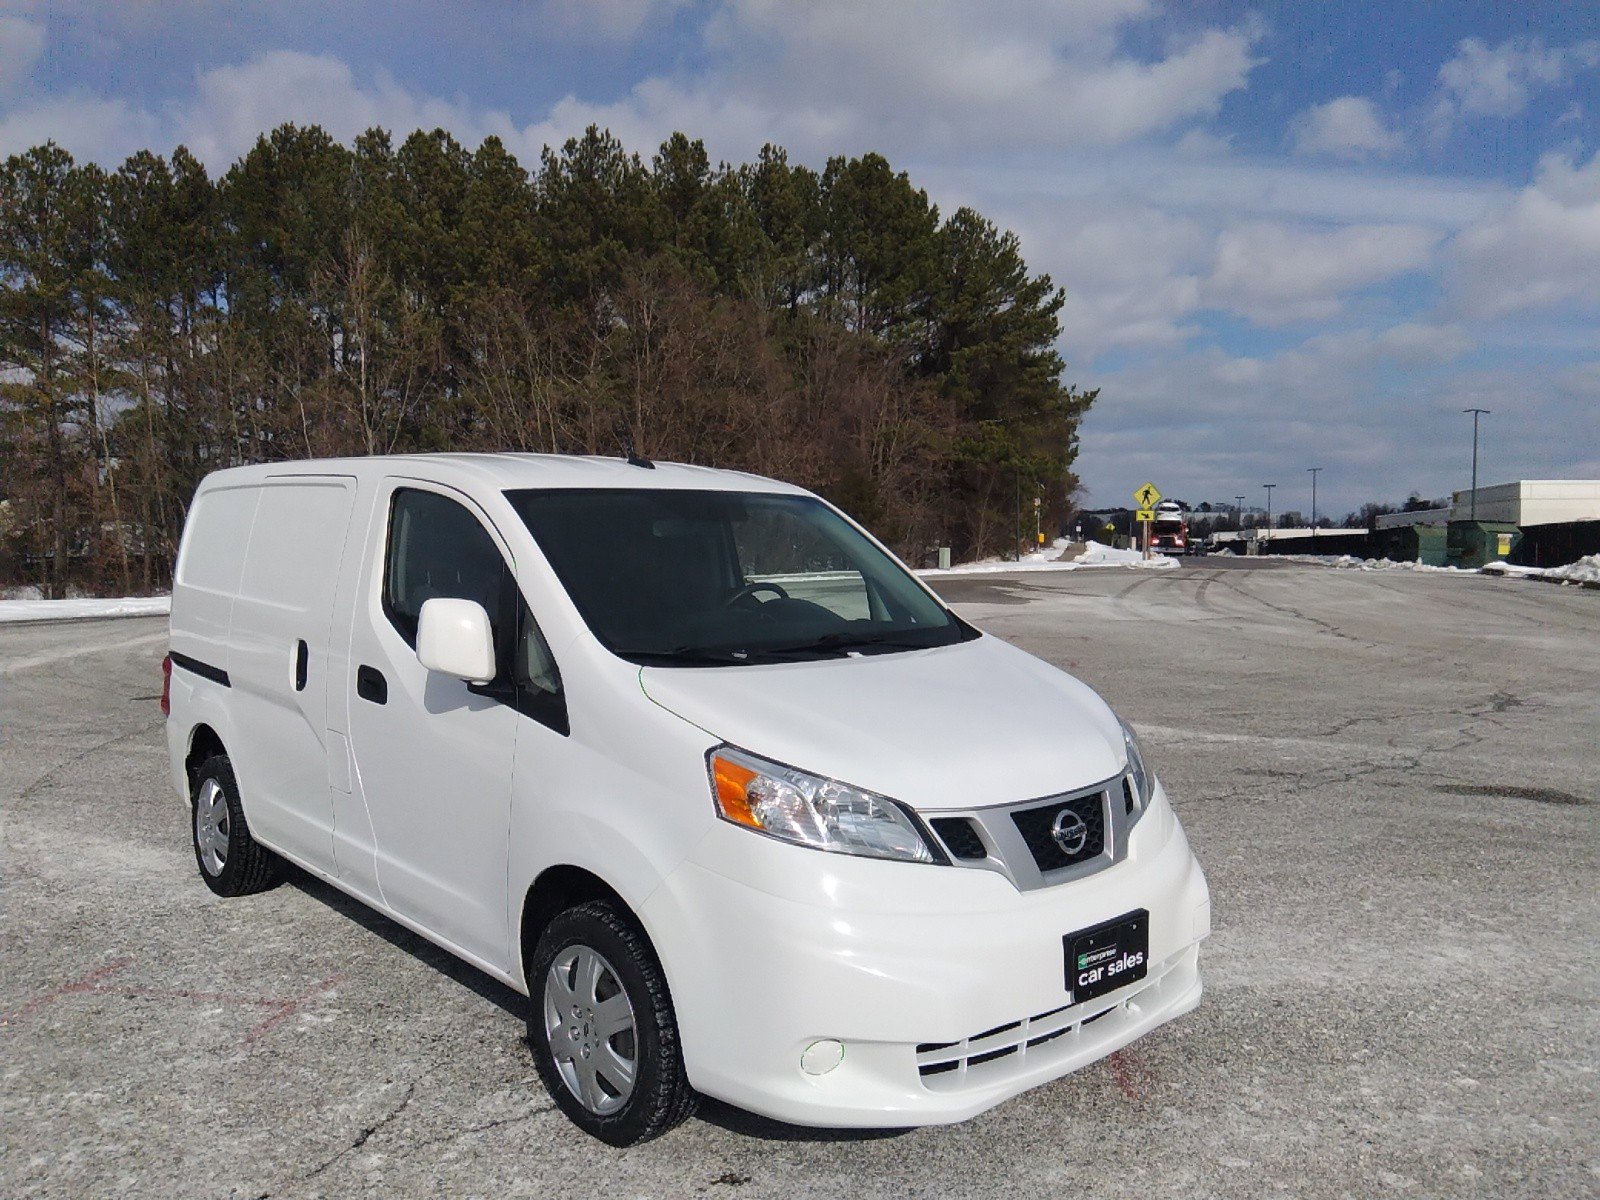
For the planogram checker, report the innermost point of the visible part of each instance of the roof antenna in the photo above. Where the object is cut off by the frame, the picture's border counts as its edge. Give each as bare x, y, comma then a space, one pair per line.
638, 460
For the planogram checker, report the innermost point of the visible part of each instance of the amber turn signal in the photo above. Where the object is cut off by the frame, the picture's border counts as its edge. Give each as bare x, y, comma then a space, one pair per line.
733, 790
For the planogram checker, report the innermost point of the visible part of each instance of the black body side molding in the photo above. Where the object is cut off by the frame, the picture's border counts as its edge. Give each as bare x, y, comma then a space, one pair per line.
203, 669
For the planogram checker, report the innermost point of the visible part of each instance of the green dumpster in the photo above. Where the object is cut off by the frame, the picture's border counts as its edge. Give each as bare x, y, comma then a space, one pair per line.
1412, 543
1473, 544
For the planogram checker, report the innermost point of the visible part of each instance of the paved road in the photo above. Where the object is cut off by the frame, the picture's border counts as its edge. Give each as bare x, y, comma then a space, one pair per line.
1390, 777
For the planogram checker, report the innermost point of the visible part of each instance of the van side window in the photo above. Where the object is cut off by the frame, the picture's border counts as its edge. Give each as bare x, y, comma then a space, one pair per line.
438, 548
538, 679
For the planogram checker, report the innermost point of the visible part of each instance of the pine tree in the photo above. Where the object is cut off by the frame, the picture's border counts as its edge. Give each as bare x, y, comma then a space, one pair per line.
39, 193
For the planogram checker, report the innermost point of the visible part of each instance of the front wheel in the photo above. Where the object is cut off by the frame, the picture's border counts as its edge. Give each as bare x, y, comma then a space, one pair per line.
602, 1029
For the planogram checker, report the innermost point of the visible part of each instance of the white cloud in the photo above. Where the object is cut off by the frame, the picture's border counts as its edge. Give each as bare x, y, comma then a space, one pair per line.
1541, 251
1350, 127
234, 105
89, 128
1131, 272
826, 77
1372, 407
1274, 273
1499, 81
1416, 344
602, 20
838, 75
21, 45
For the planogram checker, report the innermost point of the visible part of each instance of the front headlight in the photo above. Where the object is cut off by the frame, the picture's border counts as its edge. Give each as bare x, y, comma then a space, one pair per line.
809, 810
1144, 782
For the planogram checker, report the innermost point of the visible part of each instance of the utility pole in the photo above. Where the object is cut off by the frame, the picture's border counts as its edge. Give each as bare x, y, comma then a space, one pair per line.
1472, 512
1016, 545
1238, 515
1269, 487
1313, 471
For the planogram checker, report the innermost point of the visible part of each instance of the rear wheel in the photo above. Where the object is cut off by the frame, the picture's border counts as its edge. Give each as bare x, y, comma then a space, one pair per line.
231, 862
602, 1030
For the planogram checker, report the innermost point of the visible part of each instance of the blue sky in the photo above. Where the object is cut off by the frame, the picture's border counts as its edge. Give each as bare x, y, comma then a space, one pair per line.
1291, 234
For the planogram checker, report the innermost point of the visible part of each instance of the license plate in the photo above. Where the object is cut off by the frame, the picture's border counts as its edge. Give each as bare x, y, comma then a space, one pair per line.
1111, 955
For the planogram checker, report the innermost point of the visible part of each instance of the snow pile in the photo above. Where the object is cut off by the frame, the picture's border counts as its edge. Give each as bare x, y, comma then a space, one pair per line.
1511, 569
1585, 570
1350, 562
1049, 559
77, 610
1046, 559
1097, 555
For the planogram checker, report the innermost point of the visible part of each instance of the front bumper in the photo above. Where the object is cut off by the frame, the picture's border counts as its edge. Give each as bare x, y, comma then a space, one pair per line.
769, 948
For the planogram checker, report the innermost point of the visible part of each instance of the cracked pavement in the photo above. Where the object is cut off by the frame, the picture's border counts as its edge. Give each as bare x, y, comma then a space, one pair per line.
1391, 779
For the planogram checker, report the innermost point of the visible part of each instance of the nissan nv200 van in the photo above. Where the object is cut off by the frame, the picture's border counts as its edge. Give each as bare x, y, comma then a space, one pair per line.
691, 760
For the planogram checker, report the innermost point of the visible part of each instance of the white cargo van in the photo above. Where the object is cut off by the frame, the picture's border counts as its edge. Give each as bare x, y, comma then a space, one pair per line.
690, 759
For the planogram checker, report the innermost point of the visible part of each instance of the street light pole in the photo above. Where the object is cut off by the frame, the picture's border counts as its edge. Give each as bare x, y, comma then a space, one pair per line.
1269, 487
1238, 515
1313, 471
1473, 505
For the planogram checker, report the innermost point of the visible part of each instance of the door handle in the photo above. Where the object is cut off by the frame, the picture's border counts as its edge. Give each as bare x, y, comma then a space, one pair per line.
302, 659
371, 685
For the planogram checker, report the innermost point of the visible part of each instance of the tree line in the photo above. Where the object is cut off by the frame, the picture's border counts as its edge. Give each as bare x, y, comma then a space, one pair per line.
828, 327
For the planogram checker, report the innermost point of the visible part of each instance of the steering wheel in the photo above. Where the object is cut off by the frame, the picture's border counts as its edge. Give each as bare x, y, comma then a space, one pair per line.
750, 589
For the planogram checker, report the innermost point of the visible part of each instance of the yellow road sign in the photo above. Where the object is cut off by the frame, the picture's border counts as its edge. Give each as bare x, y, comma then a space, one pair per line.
1147, 496
1145, 514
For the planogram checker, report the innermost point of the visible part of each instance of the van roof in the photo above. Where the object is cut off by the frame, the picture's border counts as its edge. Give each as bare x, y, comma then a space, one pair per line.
503, 471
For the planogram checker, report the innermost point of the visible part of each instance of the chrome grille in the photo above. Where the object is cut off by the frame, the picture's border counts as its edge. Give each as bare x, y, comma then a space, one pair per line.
1016, 840
1038, 825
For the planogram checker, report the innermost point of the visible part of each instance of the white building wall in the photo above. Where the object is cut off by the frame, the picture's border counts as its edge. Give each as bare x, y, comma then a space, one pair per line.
1532, 502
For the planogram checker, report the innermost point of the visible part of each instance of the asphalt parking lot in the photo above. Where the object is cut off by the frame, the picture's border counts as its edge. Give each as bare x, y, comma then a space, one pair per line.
1390, 778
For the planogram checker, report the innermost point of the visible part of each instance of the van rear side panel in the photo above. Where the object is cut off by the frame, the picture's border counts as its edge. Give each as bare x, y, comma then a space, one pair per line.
278, 661
210, 565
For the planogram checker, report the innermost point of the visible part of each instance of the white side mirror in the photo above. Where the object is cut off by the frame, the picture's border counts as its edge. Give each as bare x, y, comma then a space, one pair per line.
454, 638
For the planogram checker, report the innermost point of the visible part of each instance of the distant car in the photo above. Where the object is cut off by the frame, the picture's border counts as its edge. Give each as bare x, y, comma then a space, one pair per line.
691, 760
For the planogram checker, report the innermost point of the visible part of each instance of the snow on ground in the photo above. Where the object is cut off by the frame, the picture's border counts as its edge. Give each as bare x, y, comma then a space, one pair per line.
1350, 562
1049, 559
70, 610
1585, 570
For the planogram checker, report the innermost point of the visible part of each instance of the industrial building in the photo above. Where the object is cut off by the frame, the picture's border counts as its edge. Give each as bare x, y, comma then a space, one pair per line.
1533, 522
1530, 502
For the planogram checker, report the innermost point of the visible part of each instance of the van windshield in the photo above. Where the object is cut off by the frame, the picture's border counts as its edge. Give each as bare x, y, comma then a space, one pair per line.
702, 578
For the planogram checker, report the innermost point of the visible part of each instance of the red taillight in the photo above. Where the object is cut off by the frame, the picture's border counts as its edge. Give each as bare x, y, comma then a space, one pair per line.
166, 685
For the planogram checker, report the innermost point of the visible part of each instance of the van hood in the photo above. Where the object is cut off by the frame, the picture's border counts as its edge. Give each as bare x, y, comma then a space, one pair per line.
962, 726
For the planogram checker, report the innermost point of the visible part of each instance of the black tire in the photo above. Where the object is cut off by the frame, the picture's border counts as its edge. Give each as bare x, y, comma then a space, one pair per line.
247, 867
661, 1098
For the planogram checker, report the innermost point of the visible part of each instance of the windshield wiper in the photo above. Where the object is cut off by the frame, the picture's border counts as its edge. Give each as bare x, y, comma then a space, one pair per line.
846, 640
839, 642
698, 656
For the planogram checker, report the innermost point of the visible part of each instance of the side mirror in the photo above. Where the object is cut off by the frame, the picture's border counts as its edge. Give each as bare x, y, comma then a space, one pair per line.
454, 638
